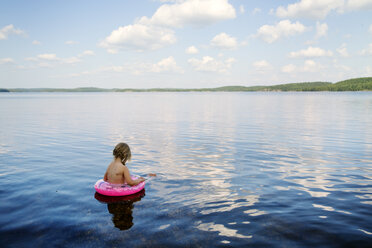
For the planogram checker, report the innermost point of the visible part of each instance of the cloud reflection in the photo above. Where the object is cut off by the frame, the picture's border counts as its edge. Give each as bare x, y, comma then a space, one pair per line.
221, 229
331, 209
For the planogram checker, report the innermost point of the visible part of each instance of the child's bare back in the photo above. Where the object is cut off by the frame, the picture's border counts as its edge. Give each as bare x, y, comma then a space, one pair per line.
117, 172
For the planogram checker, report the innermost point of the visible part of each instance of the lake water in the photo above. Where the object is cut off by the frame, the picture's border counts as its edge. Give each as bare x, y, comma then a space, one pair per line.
234, 169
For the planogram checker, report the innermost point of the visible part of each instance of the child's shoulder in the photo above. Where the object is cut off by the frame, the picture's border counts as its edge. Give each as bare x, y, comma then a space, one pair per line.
116, 165
120, 166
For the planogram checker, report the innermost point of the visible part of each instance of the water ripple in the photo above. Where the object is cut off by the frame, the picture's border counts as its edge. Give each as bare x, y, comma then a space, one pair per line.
235, 169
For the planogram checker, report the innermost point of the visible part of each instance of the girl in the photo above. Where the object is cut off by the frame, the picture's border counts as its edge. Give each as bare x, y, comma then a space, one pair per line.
117, 172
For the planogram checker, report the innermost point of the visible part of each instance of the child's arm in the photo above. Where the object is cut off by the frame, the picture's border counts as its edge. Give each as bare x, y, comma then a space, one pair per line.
129, 180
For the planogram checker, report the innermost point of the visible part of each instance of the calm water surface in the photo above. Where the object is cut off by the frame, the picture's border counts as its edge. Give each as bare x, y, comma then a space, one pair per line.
234, 169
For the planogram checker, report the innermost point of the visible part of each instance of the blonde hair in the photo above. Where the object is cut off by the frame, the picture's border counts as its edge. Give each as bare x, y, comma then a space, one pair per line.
122, 151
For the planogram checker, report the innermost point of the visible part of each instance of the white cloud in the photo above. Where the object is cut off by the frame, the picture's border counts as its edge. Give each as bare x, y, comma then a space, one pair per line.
31, 59
86, 53
367, 51
48, 56
342, 50
359, 5
111, 68
8, 30
367, 71
71, 42
241, 9
192, 12
139, 37
225, 41
166, 65
170, 1
192, 50
71, 60
210, 64
256, 10
321, 29
6, 61
342, 67
319, 9
310, 52
261, 65
36, 42
45, 65
348, 36
310, 42
154, 33
310, 66
51, 59
370, 29
271, 33
313, 9
289, 68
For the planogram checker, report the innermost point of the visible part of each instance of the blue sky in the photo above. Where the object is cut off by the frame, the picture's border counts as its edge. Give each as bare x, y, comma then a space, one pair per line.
182, 43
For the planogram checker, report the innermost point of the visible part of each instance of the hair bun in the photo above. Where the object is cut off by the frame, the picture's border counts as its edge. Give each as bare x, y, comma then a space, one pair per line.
123, 152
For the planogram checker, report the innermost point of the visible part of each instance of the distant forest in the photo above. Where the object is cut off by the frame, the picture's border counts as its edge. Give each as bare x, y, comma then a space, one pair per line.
355, 84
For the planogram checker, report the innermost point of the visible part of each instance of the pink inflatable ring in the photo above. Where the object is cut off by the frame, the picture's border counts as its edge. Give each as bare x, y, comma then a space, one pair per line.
105, 188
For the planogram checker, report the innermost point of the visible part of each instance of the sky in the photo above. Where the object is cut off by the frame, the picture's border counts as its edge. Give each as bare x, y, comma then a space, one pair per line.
182, 43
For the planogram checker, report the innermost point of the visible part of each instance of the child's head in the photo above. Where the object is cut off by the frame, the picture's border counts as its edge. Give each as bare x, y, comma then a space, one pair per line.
122, 151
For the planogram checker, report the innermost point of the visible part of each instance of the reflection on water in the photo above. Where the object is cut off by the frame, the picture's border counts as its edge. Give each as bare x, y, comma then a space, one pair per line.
221, 229
236, 169
121, 208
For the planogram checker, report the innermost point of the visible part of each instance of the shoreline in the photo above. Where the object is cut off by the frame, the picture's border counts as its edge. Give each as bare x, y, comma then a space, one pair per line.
355, 84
